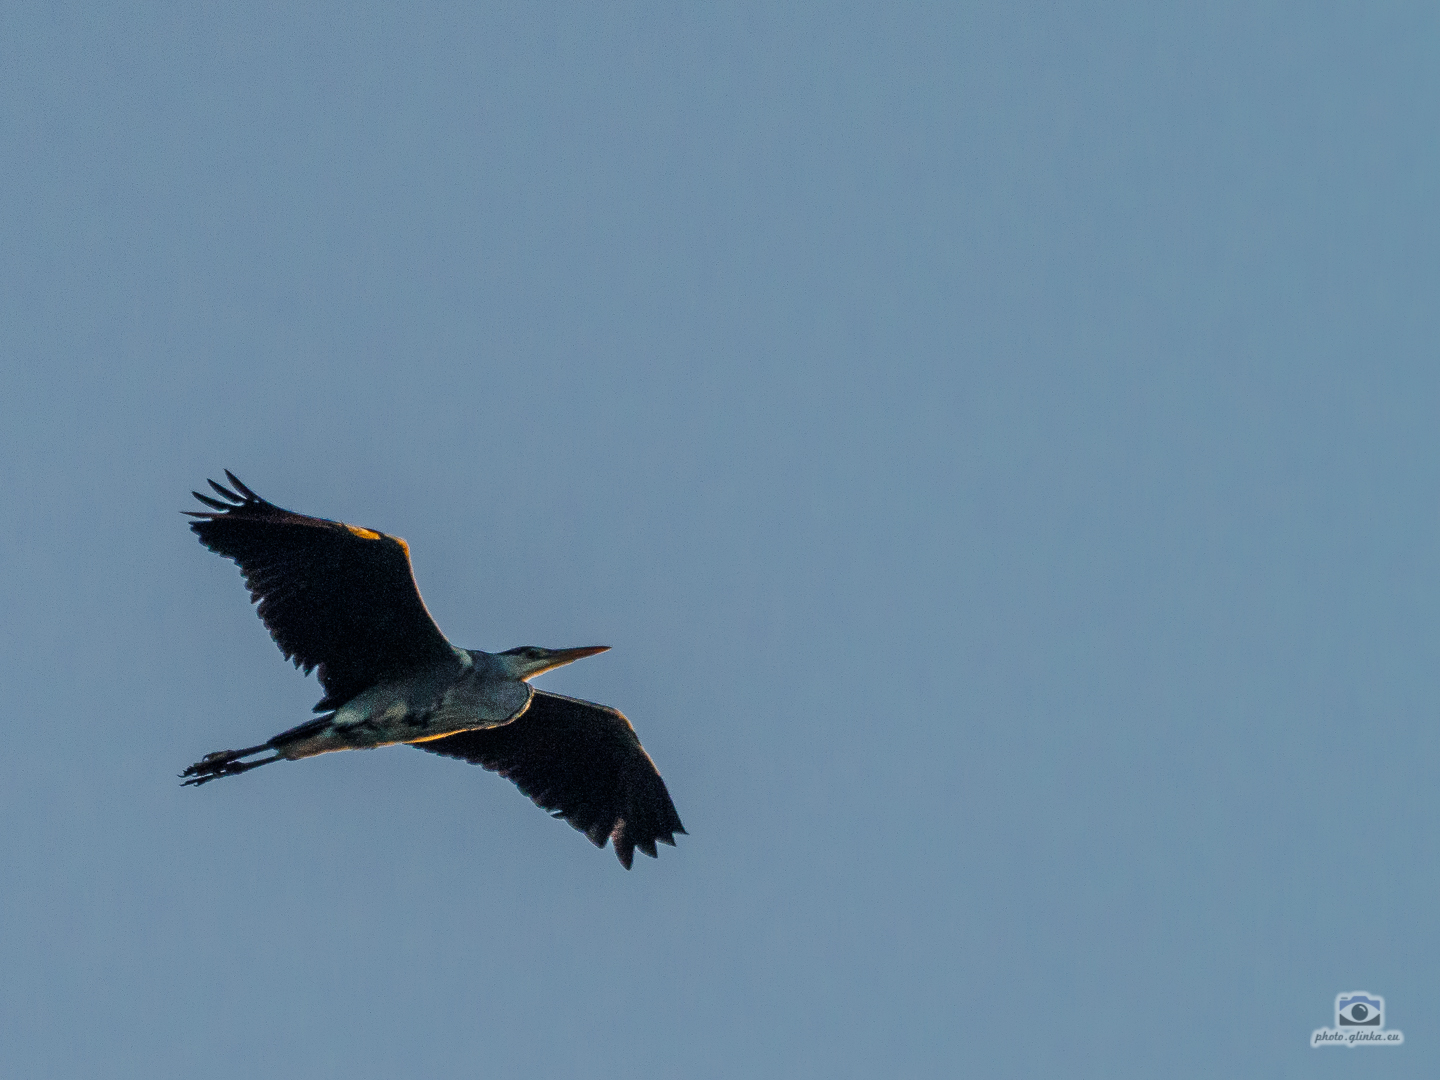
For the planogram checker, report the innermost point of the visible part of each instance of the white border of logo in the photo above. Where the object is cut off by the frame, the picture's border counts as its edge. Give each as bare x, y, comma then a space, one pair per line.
1353, 1035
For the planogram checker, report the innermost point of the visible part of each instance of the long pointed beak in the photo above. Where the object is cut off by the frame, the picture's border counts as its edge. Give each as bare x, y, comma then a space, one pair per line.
565, 656
561, 657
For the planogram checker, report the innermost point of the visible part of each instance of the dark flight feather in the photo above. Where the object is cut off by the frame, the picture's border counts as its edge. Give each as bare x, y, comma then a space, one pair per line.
334, 597
582, 762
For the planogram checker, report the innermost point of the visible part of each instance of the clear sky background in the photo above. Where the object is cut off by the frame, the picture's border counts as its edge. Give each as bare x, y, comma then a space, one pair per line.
998, 440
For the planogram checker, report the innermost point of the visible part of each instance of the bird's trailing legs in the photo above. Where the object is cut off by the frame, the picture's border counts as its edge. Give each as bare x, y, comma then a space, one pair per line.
226, 763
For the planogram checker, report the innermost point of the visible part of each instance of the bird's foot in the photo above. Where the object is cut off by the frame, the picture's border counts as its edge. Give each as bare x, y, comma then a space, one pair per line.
224, 763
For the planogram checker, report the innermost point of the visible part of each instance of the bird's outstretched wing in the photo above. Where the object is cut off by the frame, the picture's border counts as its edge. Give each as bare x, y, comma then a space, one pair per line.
584, 763
333, 596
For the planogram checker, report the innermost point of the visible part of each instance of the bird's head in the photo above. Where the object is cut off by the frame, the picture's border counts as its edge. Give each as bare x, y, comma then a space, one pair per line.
530, 660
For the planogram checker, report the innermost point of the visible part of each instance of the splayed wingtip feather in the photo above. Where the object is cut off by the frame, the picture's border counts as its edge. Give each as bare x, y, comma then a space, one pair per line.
224, 492
239, 486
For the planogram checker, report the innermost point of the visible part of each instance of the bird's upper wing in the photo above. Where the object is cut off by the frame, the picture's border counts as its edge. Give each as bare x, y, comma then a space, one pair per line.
584, 763
333, 596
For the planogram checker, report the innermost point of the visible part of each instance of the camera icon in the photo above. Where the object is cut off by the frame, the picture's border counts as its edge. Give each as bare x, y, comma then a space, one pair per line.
1359, 1011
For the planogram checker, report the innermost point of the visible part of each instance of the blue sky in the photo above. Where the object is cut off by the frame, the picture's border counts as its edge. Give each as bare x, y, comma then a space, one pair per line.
997, 441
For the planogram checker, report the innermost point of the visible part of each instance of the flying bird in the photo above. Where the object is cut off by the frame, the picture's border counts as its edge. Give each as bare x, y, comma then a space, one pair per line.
342, 601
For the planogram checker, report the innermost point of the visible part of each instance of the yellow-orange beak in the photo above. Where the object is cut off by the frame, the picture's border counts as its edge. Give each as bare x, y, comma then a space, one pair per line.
561, 657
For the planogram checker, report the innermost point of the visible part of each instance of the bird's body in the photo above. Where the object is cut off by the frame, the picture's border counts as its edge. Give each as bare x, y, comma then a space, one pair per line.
342, 599
476, 691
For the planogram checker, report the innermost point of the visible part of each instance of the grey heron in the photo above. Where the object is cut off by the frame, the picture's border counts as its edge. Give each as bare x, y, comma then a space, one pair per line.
341, 600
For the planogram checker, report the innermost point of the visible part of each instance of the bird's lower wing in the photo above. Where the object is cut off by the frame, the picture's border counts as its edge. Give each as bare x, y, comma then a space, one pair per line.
582, 762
